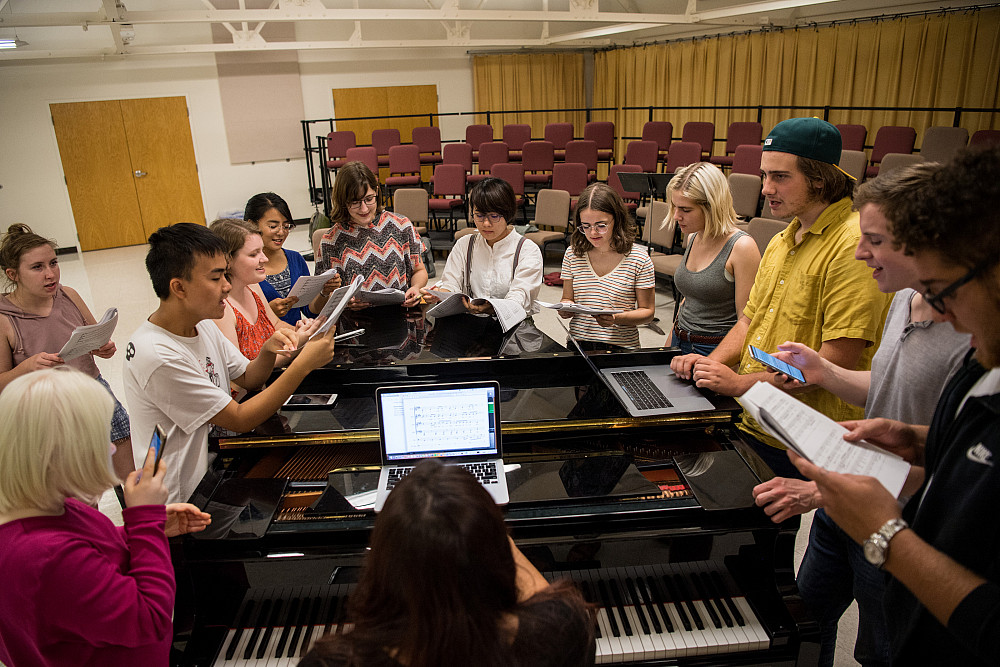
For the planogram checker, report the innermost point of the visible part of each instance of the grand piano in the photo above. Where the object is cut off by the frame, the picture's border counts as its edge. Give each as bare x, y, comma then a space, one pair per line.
652, 517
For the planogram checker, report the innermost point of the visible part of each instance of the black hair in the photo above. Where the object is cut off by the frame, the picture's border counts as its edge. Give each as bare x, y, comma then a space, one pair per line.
261, 203
173, 250
494, 195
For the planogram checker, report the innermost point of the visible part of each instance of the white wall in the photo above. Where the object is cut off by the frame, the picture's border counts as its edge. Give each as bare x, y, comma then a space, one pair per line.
31, 174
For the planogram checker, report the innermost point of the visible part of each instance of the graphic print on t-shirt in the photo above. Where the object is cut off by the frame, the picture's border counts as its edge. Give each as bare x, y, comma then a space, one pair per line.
210, 371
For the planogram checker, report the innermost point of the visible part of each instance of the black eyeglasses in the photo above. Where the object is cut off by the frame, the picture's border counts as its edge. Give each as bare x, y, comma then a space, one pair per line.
936, 301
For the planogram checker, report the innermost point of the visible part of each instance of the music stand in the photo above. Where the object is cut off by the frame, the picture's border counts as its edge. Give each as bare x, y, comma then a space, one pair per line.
636, 182
659, 182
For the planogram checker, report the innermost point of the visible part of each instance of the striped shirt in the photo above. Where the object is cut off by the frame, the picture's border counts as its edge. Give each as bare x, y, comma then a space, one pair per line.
384, 255
615, 289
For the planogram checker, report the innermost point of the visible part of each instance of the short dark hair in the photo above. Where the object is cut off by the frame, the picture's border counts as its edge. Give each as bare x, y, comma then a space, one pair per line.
173, 250
351, 183
955, 214
834, 184
602, 197
494, 195
261, 203
890, 193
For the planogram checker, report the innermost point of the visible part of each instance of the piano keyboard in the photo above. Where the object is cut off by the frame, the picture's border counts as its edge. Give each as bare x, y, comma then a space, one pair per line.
667, 611
276, 626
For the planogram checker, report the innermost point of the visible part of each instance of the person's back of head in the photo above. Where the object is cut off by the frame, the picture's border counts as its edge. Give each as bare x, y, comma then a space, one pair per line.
54, 442
173, 252
438, 580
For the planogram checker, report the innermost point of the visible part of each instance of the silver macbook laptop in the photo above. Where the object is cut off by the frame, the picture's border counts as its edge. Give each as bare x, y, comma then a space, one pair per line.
458, 423
647, 390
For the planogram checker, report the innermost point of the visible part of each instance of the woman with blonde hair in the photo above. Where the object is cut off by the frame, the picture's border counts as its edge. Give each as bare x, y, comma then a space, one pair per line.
720, 261
78, 590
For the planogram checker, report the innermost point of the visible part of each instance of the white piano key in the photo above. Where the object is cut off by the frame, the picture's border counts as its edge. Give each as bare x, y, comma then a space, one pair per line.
753, 627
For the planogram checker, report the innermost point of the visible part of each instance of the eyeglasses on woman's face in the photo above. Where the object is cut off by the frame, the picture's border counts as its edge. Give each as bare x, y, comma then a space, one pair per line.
275, 226
494, 218
368, 201
600, 227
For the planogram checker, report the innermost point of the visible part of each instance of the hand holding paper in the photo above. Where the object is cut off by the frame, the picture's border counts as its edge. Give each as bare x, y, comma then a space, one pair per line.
335, 306
91, 337
579, 309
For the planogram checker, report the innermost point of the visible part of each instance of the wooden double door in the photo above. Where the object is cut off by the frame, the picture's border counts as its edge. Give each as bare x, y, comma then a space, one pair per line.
129, 167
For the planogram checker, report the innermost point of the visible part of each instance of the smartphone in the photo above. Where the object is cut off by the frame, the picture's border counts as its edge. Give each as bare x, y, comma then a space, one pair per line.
157, 441
349, 334
310, 401
776, 364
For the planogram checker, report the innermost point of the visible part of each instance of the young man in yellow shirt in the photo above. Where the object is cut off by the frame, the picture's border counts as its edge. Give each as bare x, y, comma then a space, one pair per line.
809, 287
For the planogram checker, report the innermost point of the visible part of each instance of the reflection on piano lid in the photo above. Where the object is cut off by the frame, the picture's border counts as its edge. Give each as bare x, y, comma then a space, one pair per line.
241, 508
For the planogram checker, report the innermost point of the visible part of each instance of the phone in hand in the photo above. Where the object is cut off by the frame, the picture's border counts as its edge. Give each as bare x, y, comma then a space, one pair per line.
776, 364
157, 441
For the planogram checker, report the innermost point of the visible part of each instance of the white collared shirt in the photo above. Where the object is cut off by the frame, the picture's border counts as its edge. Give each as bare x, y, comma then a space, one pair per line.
492, 270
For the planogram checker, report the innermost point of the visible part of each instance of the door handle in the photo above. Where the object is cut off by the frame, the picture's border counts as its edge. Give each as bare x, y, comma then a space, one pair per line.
139, 173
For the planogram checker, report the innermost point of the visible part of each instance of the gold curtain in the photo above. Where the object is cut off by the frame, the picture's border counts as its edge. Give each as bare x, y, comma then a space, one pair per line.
536, 81
950, 60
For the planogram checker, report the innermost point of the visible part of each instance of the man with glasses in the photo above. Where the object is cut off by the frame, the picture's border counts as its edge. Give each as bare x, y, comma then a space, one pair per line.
943, 548
809, 287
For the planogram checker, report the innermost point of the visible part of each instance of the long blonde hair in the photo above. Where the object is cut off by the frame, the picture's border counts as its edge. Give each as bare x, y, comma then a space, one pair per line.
704, 184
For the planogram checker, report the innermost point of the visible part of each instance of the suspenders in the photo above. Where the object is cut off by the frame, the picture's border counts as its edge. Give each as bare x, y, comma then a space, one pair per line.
467, 286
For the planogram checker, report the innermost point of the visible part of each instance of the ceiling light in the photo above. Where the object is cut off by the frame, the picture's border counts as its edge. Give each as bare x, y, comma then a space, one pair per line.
6, 43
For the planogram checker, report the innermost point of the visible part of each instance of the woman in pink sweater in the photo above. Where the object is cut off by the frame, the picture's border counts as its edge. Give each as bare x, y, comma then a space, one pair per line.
78, 590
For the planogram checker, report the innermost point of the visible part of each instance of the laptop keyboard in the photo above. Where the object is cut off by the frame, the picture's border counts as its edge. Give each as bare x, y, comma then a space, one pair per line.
641, 390
485, 472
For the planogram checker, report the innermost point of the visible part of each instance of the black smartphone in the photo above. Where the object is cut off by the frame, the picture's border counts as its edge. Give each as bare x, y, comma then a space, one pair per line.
776, 364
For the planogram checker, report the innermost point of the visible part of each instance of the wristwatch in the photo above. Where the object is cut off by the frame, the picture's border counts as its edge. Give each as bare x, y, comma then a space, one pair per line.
876, 547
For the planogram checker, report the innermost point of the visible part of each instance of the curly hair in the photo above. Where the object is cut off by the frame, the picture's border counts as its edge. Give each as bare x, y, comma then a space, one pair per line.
955, 214
602, 197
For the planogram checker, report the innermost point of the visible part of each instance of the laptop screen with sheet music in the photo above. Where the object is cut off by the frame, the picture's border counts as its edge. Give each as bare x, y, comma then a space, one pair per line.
439, 421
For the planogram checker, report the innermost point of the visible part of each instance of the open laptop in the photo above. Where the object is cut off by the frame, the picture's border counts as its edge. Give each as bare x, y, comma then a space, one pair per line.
458, 423
646, 390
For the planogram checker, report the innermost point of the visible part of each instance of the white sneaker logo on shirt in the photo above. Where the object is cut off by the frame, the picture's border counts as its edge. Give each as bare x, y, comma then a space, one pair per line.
980, 454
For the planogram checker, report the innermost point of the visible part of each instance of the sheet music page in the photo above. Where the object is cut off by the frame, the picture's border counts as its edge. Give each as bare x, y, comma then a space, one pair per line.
577, 308
449, 305
820, 439
306, 288
90, 337
509, 313
382, 297
335, 306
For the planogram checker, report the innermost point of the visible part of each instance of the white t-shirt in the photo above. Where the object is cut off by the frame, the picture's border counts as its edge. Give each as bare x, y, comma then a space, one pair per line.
179, 383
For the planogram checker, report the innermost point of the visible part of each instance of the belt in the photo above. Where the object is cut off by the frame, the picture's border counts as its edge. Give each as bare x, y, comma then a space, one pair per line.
689, 337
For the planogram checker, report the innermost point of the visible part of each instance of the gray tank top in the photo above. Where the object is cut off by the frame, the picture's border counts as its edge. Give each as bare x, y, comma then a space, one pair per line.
709, 307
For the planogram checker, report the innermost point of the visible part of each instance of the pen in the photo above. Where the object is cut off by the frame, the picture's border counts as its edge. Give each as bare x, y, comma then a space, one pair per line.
349, 334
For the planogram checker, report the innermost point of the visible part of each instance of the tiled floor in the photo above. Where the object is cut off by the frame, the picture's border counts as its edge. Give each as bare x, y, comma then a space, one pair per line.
118, 278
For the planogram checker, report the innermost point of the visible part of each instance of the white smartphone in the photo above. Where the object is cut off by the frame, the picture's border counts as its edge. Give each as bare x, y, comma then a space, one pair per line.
310, 401
776, 364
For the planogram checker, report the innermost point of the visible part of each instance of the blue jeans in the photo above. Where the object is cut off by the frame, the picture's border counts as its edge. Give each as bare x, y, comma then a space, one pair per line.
685, 347
833, 573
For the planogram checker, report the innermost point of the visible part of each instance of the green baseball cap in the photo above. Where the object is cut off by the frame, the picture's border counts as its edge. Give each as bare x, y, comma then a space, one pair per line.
806, 137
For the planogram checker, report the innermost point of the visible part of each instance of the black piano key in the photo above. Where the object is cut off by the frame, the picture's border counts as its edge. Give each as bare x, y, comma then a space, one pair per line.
717, 598
248, 608
654, 589
648, 601
311, 622
689, 601
304, 610
272, 621
616, 593
341, 619
293, 611
331, 614
606, 600
636, 604
588, 595
733, 609
675, 599
706, 599
265, 610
